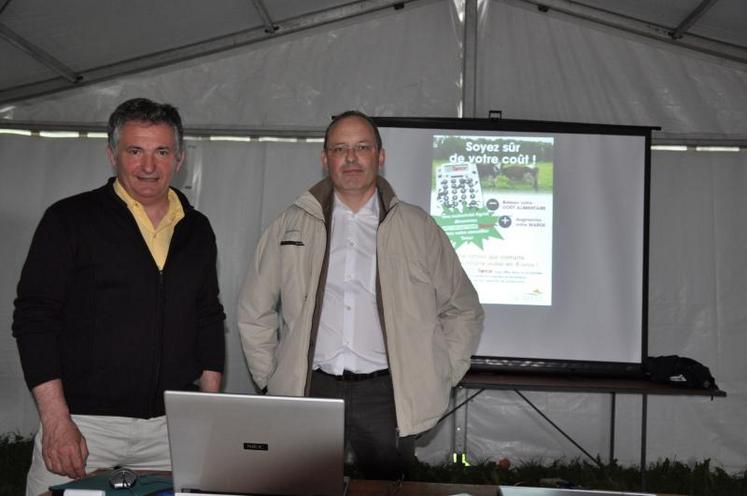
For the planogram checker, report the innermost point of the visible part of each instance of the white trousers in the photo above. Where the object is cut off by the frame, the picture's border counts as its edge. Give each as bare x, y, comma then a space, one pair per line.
140, 444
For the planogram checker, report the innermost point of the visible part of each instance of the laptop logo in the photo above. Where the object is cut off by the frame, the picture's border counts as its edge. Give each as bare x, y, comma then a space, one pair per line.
256, 446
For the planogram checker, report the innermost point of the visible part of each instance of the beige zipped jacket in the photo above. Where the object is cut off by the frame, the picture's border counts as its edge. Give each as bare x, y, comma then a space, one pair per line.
428, 309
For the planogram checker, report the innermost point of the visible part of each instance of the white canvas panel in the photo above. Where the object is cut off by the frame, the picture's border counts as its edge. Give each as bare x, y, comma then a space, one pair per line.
534, 65
34, 176
396, 63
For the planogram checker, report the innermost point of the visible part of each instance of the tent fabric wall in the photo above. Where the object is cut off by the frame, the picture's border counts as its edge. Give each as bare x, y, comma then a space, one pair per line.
33, 177
531, 65
697, 296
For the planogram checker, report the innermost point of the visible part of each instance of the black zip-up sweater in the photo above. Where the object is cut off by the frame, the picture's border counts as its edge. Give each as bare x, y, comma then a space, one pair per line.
94, 310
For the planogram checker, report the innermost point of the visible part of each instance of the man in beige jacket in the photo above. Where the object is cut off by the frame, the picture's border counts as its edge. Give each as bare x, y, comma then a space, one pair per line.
354, 294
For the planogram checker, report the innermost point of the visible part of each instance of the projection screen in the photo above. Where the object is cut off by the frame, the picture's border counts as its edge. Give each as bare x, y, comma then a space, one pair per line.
550, 223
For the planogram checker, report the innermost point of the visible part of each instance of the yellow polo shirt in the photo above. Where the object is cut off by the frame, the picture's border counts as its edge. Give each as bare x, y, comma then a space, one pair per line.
158, 238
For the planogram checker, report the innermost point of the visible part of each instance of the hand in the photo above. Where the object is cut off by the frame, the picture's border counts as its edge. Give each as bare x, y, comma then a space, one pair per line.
210, 381
64, 448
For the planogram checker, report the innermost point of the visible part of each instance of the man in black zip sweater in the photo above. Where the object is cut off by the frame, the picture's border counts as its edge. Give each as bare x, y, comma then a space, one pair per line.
117, 302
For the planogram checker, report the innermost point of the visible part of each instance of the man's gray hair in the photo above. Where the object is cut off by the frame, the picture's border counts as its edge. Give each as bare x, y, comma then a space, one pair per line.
144, 110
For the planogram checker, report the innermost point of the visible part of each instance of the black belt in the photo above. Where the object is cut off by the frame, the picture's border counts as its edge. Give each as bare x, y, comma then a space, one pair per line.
353, 377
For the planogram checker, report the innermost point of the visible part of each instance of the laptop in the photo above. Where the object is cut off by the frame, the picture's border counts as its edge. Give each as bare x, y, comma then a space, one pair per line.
255, 445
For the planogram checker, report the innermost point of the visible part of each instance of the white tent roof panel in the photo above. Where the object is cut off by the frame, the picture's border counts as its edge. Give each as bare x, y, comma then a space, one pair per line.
18, 68
287, 9
83, 34
298, 81
97, 40
724, 20
551, 67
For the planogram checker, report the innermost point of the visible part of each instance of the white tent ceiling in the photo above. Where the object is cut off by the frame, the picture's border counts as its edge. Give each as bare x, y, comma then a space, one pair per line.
46, 47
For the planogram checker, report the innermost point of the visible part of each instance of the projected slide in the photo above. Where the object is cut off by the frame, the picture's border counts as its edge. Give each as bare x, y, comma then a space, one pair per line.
493, 197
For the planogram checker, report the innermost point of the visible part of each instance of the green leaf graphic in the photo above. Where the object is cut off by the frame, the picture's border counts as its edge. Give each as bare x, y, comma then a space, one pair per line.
468, 225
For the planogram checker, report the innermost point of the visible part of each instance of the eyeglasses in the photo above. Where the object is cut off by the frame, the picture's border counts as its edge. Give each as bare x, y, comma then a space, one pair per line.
342, 150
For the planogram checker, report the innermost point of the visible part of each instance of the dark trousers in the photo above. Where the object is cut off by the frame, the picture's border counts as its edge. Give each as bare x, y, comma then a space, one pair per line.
370, 424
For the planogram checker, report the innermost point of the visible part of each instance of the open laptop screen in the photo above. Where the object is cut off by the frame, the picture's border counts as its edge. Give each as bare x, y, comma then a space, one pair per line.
251, 444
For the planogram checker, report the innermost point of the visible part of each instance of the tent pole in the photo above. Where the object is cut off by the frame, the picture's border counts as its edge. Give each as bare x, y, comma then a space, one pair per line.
469, 60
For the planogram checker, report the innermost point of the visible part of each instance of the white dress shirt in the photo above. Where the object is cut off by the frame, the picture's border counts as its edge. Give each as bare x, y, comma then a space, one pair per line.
350, 335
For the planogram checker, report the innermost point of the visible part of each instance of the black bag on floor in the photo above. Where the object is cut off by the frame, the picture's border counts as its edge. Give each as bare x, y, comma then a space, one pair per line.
679, 371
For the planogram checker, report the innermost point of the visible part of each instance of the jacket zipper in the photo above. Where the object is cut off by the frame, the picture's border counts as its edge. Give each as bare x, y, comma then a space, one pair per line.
160, 320
159, 344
